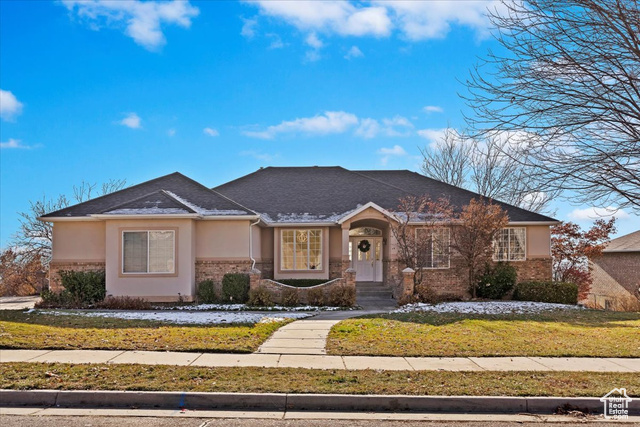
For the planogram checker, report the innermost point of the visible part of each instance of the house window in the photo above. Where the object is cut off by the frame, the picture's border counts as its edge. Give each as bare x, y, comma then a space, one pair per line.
148, 251
510, 245
301, 250
433, 247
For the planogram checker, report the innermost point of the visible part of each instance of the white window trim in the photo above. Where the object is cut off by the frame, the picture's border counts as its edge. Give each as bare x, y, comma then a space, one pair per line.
509, 247
448, 252
142, 273
308, 251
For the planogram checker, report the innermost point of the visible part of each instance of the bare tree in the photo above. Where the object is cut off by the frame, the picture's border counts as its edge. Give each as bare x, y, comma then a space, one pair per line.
448, 159
34, 237
416, 214
476, 227
569, 82
487, 165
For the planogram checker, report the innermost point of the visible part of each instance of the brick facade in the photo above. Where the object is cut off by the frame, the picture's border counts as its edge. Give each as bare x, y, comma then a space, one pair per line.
215, 270
453, 281
337, 267
55, 267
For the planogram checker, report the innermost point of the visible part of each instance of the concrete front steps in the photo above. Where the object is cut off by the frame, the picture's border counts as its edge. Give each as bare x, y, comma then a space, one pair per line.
374, 295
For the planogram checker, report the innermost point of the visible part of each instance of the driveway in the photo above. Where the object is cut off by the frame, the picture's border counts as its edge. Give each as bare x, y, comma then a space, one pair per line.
18, 303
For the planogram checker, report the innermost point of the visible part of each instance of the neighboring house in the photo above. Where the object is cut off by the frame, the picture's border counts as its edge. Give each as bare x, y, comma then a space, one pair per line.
616, 273
160, 238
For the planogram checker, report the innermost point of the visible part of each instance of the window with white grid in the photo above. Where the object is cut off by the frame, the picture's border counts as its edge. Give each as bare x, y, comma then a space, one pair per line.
433, 247
510, 244
301, 250
148, 251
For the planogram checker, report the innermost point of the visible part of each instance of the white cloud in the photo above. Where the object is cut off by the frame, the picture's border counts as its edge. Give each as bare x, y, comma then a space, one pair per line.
313, 41
432, 135
211, 132
323, 124
421, 20
593, 213
396, 126
132, 121
354, 52
171, 132
258, 155
432, 109
13, 143
369, 128
276, 41
415, 20
10, 107
141, 20
248, 27
387, 153
339, 17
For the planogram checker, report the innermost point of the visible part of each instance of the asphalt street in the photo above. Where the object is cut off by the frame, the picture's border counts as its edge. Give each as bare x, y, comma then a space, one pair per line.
89, 421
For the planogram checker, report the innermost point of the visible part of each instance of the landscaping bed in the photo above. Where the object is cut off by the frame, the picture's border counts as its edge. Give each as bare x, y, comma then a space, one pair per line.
471, 330
35, 330
30, 376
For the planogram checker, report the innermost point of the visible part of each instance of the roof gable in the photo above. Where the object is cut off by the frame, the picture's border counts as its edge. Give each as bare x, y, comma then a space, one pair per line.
164, 195
627, 243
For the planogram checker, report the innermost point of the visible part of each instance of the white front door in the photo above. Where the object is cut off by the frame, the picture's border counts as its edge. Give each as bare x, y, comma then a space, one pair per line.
366, 258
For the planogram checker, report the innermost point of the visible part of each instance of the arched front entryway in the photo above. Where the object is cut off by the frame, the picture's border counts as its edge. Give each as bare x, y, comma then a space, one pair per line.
366, 253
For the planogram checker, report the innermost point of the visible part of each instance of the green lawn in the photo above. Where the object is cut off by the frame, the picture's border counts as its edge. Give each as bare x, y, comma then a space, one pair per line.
23, 330
29, 376
570, 333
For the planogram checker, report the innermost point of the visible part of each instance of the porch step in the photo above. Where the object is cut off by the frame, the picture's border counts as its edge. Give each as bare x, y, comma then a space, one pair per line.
373, 293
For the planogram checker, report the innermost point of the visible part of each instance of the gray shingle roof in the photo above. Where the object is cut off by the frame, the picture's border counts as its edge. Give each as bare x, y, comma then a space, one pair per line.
169, 194
627, 243
280, 194
302, 194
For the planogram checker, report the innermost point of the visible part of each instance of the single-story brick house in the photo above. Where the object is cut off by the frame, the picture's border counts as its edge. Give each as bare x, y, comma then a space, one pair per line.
160, 238
616, 273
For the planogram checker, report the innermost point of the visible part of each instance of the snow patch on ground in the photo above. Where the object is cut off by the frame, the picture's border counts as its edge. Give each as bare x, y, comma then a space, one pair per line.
487, 307
245, 307
186, 318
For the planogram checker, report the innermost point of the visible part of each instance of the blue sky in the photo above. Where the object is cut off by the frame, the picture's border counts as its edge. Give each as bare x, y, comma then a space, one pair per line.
99, 90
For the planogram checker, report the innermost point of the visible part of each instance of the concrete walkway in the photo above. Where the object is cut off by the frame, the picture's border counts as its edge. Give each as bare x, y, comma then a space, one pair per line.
299, 337
540, 364
18, 303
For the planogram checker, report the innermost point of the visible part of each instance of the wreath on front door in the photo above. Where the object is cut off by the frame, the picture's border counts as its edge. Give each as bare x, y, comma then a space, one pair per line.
364, 246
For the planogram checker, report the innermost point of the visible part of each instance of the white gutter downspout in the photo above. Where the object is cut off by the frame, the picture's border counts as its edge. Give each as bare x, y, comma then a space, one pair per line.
253, 260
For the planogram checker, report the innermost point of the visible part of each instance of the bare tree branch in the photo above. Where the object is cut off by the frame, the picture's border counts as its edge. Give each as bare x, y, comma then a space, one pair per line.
570, 81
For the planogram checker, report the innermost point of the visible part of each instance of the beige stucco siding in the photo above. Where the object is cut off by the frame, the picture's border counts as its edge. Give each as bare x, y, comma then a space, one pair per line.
323, 273
151, 286
225, 240
78, 241
538, 241
266, 243
335, 243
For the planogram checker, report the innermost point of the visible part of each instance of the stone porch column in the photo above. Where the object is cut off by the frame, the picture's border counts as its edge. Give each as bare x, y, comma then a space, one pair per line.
254, 278
407, 282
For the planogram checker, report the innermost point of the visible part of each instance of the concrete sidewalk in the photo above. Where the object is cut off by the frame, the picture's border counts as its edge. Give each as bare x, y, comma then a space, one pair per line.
18, 303
540, 364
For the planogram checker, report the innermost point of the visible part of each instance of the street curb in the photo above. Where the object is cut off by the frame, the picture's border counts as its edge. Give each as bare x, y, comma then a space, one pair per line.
299, 402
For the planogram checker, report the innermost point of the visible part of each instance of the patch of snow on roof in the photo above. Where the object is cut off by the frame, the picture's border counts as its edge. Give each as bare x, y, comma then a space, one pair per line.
487, 307
148, 211
203, 211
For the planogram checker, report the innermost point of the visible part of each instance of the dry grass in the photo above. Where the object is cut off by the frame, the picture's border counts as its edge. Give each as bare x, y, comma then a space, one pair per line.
22, 330
29, 376
570, 333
